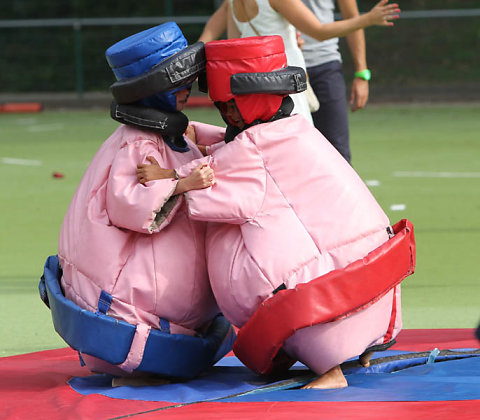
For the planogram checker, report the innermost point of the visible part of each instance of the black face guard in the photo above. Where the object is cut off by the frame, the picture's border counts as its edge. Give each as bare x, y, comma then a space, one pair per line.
162, 122
286, 81
181, 69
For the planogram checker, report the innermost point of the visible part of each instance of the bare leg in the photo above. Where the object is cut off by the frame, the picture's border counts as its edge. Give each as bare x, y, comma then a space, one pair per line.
332, 379
364, 358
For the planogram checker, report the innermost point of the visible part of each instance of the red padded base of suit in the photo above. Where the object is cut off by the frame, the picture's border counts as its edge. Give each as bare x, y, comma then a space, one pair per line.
260, 340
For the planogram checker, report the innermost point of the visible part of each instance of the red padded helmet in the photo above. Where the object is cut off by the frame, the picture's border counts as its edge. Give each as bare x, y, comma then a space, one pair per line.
257, 55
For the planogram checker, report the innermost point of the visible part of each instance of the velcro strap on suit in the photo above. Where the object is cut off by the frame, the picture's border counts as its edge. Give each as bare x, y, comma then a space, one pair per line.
117, 342
181, 69
351, 289
137, 349
285, 81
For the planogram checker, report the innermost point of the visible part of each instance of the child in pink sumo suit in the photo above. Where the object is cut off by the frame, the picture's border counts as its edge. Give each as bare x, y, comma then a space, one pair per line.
134, 241
285, 208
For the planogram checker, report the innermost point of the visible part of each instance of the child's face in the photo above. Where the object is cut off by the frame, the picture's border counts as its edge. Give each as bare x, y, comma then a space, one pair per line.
229, 109
182, 96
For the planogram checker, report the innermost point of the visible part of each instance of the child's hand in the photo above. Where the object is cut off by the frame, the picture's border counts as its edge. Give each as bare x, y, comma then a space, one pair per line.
148, 172
300, 40
190, 133
201, 177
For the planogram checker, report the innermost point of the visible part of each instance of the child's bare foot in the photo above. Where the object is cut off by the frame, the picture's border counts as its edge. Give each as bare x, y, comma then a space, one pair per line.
364, 358
332, 379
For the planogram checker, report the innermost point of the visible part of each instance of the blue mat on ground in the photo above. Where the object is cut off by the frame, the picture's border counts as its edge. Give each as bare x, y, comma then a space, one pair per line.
218, 383
430, 377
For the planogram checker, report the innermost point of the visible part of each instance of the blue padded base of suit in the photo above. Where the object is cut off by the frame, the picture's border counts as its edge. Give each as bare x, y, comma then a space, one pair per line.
447, 378
110, 339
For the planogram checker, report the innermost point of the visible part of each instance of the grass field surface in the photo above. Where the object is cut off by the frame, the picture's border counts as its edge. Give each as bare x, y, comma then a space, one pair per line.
420, 162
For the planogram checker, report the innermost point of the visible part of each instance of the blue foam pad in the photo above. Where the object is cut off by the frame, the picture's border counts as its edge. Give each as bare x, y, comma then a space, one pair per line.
138, 53
401, 380
450, 380
218, 383
85, 331
110, 339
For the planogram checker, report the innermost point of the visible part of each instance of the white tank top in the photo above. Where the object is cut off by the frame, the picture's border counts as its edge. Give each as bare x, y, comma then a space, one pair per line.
270, 22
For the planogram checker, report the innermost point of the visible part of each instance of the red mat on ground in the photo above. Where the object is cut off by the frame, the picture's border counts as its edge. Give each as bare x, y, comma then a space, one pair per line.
443, 339
20, 107
35, 386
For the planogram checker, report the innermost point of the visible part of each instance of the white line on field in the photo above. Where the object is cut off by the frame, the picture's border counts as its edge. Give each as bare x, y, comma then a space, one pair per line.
26, 121
45, 127
26, 162
420, 174
398, 207
372, 182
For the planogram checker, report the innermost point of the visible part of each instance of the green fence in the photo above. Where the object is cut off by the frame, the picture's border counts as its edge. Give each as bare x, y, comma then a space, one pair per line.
435, 48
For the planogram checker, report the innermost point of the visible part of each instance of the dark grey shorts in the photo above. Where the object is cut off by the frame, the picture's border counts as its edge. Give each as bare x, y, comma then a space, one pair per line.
331, 119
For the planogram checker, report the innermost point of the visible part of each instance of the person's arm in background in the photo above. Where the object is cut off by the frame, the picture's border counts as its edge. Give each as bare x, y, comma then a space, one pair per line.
232, 29
356, 43
220, 22
216, 26
306, 22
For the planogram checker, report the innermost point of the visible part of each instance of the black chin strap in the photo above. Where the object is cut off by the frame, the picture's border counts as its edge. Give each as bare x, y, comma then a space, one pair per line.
284, 111
170, 125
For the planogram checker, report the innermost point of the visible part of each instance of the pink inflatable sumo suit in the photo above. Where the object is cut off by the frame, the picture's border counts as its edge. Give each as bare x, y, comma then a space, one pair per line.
136, 242
129, 246
286, 208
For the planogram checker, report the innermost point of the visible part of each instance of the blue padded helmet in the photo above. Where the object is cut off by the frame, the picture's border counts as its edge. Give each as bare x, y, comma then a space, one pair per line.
137, 54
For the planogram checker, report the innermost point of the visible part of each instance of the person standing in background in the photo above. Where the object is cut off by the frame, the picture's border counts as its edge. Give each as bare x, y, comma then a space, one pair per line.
245, 18
325, 71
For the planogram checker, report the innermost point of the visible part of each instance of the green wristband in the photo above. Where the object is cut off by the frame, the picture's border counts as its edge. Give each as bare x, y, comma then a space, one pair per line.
364, 74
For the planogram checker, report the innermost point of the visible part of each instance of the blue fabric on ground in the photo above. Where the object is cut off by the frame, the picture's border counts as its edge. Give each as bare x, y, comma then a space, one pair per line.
449, 378
218, 383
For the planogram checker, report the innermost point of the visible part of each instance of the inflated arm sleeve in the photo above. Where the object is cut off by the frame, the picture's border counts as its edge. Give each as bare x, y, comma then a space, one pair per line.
239, 188
187, 169
134, 206
207, 134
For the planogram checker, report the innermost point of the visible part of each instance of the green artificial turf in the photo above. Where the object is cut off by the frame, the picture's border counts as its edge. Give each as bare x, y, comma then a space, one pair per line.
439, 148
401, 151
